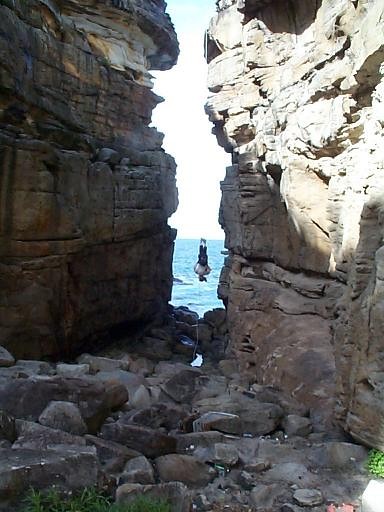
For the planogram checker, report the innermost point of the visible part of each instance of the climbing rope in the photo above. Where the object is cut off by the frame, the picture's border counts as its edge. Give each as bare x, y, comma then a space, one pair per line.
197, 327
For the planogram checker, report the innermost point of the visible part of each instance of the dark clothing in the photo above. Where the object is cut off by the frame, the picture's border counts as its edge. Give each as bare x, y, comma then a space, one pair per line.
203, 257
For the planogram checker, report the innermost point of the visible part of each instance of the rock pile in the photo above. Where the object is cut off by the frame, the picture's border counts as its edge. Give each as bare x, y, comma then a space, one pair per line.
139, 422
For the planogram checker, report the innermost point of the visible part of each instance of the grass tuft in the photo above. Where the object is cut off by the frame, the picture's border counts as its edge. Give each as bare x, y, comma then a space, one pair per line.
89, 500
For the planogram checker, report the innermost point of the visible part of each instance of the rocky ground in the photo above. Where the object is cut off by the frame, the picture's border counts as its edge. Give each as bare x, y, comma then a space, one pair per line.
140, 419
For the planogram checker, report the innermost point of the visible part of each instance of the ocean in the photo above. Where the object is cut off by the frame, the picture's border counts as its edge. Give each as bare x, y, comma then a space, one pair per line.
187, 289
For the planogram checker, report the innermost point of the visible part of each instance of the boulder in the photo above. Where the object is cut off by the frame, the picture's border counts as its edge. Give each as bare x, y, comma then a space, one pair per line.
112, 455
291, 473
102, 364
34, 436
257, 418
226, 454
263, 496
221, 421
294, 425
184, 468
141, 398
138, 471
159, 415
72, 370
181, 387
6, 358
142, 366
147, 441
338, 455
26, 398
64, 416
68, 468
308, 497
130, 380
185, 315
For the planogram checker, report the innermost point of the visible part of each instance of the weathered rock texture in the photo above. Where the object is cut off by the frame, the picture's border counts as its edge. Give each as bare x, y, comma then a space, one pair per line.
297, 97
85, 187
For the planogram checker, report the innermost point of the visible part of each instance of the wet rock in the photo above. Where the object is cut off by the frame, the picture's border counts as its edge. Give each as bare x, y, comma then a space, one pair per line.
6, 358
34, 436
184, 468
308, 497
296, 425
138, 471
64, 416
7, 427
147, 441
175, 493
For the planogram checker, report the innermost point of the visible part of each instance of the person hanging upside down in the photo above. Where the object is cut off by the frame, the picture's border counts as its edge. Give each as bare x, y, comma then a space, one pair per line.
202, 268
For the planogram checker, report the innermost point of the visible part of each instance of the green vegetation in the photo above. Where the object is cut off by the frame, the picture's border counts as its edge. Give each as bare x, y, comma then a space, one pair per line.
375, 463
90, 500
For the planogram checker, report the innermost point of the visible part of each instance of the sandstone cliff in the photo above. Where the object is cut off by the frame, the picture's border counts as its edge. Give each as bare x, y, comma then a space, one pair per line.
85, 186
297, 97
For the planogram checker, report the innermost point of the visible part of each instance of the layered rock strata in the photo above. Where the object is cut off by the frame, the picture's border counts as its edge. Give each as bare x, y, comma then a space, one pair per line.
86, 188
296, 95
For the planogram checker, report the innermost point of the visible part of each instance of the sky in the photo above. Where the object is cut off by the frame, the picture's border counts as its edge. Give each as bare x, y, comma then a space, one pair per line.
200, 161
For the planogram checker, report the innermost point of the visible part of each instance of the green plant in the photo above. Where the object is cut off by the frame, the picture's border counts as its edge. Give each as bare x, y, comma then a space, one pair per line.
375, 463
142, 504
89, 500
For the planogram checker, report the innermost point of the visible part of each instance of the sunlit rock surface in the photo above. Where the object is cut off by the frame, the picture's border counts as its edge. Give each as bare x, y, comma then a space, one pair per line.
297, 97
86, 188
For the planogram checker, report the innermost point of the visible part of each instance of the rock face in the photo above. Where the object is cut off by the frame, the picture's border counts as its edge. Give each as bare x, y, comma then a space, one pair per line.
297, 97
85, 187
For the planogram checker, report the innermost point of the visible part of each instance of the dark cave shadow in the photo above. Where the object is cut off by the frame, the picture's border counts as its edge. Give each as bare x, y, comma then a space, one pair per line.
279, 16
